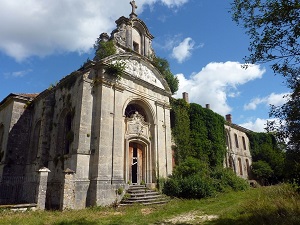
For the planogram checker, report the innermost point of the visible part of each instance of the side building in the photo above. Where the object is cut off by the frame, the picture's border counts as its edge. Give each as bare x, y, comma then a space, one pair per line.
238, 155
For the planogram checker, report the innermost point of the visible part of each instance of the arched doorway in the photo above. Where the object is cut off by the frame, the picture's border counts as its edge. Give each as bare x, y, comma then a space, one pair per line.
139, 144
137, 163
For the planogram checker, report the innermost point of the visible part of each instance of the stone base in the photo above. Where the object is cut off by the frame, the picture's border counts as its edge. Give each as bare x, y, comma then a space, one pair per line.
102, 193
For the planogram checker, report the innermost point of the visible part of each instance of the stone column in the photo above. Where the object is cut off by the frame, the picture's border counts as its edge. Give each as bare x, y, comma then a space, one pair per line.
68, 192
42, 187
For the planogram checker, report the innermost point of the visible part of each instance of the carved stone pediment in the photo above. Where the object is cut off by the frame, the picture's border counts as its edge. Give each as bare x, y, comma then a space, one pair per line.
141, 71
136, 126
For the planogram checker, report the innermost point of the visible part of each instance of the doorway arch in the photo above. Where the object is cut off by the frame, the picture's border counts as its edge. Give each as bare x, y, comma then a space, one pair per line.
139, 143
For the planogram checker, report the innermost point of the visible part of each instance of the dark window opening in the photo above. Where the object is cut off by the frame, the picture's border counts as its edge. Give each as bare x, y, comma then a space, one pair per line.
68, 133
244, 143
136, 47
241, 167
236, 140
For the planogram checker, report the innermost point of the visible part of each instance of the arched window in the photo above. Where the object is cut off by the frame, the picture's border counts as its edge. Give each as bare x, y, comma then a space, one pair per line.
228, 140
132, 108
35, 141
136, 38
240, 166
236, 141
244, 143
65, 134
1, 142
248, 167
68, 133
231, 163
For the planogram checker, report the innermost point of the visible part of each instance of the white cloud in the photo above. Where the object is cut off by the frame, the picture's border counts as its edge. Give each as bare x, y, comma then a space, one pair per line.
174, 3
216, 82
17, 74
258, 125
40, 28
272, 99
183, 50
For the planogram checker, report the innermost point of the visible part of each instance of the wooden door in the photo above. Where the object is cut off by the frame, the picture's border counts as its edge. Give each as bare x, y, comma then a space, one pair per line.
136, 172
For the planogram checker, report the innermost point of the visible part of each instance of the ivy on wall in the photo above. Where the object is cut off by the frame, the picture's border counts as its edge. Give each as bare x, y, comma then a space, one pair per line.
180, 123
198, 132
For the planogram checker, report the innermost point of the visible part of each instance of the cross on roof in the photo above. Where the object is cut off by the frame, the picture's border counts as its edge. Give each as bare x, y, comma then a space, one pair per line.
134, 6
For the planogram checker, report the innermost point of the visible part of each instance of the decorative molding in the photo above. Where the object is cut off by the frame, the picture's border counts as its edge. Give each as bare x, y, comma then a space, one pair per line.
139, 70
136, 126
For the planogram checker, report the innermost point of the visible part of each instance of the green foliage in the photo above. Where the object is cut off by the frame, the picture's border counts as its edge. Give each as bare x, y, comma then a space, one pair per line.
292, 166
191, 166
115, 69
226, 180
266, 205
164, 68
193, 179
104, 49
180, 124
207, 135
265, 148
273, 28
119, 191
197, 132
262, 171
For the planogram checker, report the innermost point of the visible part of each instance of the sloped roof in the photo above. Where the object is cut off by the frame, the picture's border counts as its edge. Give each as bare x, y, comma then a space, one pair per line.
28, 96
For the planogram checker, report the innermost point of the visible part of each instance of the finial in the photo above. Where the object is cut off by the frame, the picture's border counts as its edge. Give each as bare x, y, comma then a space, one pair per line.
134, 7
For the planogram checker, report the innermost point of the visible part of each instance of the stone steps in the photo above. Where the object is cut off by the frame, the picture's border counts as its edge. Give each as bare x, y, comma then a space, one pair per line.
140, 194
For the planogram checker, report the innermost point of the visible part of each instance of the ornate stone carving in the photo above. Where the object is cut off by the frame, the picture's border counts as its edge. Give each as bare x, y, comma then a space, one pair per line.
120, 35
141, 71
136, 126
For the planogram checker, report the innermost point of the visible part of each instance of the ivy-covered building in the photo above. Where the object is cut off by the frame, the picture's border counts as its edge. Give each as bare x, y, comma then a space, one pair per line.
107, 124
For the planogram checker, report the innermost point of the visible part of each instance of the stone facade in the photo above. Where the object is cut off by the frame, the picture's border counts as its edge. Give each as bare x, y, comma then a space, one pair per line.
110, 132
94, 132
238, 156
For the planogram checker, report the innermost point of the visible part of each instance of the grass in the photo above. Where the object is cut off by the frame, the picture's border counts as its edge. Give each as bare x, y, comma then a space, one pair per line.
267, 205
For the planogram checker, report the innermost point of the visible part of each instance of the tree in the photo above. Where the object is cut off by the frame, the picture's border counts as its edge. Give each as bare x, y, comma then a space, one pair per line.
104, 48
163, 66
264, 147
262, 171
274, 30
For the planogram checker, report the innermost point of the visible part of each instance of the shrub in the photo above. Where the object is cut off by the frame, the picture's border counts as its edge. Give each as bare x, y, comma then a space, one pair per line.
226, 180
172, 187
191, 166
196, 187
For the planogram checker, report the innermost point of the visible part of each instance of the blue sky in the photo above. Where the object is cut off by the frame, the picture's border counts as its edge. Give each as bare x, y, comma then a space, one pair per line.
43, 41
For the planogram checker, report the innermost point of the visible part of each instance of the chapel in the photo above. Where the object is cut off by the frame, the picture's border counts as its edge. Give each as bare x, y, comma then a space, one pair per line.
106, 129
110, 131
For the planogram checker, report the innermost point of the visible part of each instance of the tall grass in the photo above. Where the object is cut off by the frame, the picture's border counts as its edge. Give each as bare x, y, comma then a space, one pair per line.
262, 206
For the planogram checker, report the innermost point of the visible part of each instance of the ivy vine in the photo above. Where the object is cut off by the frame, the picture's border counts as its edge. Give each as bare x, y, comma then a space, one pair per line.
198, 132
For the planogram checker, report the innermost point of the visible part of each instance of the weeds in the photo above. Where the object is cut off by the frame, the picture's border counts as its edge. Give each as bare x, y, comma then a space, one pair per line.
273, 205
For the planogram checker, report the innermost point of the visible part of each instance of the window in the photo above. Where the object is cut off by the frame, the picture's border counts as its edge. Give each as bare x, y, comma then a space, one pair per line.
35, 140
228, 140
68, 134
240, 166
65, 134
248, 167
231, 163
132, 108
136, 47
236, 141
244, 143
